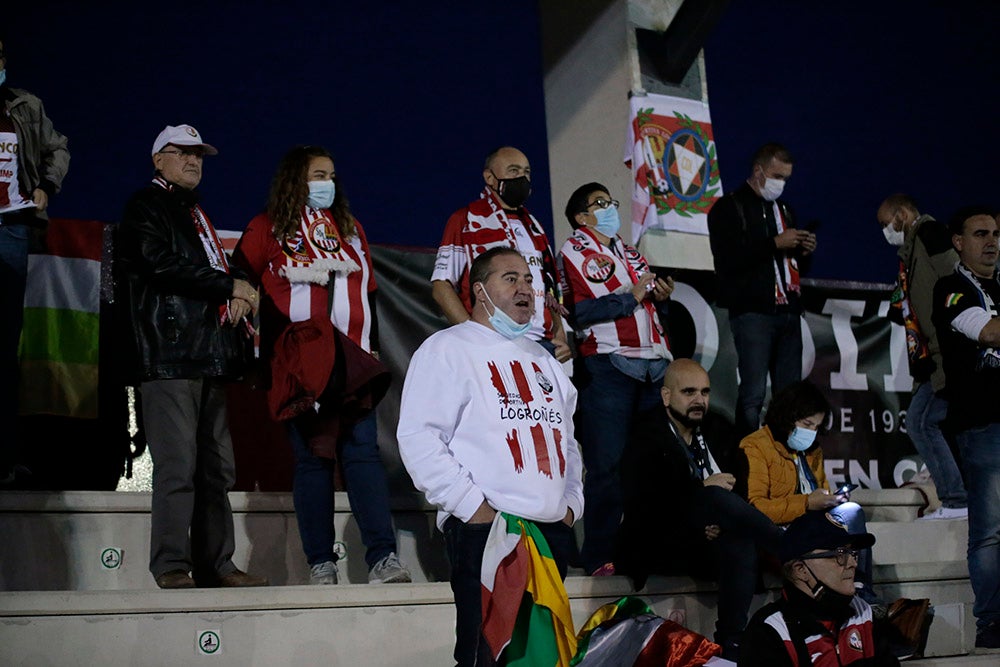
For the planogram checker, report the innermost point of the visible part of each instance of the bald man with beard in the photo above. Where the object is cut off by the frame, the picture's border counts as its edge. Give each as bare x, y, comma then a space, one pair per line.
681, 514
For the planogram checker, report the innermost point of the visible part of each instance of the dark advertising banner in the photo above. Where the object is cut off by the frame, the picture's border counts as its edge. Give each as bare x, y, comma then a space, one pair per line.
850, 350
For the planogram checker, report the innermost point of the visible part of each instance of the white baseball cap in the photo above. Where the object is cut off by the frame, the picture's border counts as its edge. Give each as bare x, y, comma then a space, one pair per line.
181, 135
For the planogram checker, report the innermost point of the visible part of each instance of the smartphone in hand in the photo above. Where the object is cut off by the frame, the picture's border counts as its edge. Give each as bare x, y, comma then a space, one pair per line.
845, 490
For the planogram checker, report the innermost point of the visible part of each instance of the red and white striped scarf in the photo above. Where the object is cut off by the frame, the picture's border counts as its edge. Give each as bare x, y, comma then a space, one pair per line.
209, 239
316, 250
592, 270
786, 275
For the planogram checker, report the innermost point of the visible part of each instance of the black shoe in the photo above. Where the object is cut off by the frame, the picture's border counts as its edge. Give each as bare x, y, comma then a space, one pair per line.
989, 637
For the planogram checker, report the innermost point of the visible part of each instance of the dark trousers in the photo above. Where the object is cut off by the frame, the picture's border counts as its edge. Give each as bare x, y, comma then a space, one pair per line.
765, 344
13, 277
193, 471
608, 400
732, 557
465, 544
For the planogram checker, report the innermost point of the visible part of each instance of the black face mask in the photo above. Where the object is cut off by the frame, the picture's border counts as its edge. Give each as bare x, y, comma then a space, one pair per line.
513, 191
832, 605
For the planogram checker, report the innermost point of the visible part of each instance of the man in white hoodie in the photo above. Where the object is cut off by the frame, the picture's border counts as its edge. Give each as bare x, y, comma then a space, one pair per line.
486, 426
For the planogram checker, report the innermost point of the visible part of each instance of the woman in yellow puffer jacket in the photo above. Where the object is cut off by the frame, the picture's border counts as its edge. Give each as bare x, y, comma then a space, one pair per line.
786, 477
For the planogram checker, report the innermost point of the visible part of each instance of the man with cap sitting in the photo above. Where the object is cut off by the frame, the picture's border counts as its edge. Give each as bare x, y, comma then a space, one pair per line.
187, 332
818, 620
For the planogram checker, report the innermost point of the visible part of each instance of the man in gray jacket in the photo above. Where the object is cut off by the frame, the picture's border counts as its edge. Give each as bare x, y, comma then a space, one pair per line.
925, 256
33, 162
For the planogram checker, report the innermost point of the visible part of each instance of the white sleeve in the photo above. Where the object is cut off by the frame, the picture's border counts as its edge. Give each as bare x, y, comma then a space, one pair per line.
430, 408
574, 462
971, 322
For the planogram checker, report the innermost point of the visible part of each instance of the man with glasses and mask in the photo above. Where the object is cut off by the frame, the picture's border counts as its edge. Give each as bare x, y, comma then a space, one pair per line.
925, 256
757, 251
187, 332
499, 218
616, 307
818, 620
33, 163
486, 427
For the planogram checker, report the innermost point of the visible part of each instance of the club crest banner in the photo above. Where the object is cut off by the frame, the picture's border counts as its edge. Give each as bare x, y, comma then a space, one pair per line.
675, 172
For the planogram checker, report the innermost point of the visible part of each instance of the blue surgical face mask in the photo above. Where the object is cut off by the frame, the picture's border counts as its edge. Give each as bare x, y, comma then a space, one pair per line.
3, 75
321, 194
608, 222
801, 439
503, 323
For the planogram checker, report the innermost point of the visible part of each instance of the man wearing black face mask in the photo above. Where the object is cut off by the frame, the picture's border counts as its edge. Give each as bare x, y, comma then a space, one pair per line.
818, 620
498, 218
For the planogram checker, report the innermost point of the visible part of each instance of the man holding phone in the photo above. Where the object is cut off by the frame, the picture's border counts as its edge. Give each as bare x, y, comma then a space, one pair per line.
758, 253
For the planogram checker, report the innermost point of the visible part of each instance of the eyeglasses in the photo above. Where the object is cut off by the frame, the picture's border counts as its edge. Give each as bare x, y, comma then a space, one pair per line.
842, 555
601, 202
194, 152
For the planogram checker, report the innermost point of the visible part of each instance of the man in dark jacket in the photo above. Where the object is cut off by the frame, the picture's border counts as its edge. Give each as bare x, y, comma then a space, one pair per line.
757, 251
33, 162
681, 513
188, 333
818, 620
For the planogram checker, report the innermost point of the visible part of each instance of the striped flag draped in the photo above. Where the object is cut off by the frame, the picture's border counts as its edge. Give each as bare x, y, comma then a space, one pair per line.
628, 632
525, 606
60, 339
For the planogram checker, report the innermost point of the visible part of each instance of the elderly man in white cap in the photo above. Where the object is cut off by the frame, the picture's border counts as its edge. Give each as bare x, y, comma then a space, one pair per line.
187, 333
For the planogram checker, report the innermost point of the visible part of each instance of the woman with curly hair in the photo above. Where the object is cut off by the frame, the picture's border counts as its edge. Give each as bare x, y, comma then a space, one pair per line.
786, 476
311, 259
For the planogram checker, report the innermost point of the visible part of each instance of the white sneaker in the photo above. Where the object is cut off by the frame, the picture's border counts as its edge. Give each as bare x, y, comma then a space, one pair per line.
324, 573
389, 571
946, 513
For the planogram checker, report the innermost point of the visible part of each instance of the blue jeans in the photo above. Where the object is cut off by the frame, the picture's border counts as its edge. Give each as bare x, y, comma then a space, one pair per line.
854, 518
923, 423
13, 278
980, 449
465, 544
764, 344
608, 400
367, 489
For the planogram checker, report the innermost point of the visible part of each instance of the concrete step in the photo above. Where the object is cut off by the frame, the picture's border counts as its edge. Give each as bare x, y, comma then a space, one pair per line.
397, 624
100, 540
919, 541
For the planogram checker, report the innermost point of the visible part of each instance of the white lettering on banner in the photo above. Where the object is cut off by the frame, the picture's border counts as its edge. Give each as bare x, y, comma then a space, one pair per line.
856, 474
896, 381
841, 311
888, 419
845, 420
906, 468
808, 348
706, 326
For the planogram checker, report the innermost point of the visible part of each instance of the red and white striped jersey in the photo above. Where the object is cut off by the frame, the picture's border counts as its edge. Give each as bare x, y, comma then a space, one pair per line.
484, 224
261, 254
591, 270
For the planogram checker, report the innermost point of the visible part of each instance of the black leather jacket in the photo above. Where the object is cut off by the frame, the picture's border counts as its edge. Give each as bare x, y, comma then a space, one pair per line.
169, 295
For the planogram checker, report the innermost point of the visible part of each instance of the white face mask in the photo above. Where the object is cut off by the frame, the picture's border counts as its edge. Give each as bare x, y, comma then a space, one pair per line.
772, 189
894, 237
